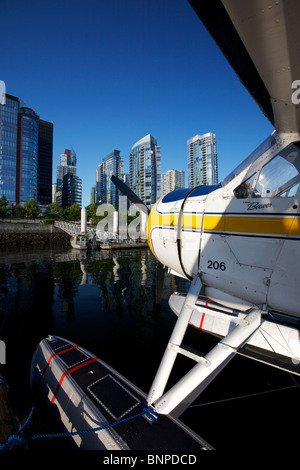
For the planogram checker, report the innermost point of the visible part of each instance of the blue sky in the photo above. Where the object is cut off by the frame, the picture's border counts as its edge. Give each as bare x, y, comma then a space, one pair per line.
108, 72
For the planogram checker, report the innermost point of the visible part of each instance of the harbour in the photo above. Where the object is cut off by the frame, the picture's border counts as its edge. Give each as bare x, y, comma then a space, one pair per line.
105, 301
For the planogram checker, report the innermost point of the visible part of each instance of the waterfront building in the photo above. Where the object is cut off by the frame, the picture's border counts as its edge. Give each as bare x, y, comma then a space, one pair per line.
171, 180
27, 156
24, 156
145, 170
9, 111
202, 160
106, 191
45, 157
71, 190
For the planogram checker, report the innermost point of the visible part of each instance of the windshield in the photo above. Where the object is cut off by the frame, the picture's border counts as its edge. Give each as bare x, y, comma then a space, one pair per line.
268, 143
279, 177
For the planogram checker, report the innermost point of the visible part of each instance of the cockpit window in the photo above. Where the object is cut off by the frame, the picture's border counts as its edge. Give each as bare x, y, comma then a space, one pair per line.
279, 177
274, 177
244, 190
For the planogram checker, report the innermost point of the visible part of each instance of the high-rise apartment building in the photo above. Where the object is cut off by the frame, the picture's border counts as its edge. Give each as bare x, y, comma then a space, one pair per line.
23, 154
171, 180
202, 160
106, 191
145, 170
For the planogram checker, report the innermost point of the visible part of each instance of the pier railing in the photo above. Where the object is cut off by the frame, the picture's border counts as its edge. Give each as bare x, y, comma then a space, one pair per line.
73, 228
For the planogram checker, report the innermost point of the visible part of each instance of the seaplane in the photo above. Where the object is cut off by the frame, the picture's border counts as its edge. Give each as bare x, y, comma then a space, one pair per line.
237, 243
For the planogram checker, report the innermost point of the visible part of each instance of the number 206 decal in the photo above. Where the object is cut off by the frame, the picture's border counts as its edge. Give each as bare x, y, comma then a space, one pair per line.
216, 265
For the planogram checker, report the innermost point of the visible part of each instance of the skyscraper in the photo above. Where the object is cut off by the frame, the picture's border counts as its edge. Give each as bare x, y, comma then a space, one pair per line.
27, 156
202, 160
106, 191
68, 164
45, 157
23, 155
93, 195
68, 185
8, 147
171, 180
145, 170
71, 190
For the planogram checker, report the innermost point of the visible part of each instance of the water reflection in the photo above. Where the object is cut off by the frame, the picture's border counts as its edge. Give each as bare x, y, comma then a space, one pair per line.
104, 301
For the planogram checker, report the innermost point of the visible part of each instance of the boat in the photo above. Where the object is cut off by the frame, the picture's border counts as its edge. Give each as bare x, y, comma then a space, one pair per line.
97, 406
79, 242
83, 242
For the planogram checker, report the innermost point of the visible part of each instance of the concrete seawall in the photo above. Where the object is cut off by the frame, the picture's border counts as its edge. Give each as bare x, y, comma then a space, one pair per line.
32, 234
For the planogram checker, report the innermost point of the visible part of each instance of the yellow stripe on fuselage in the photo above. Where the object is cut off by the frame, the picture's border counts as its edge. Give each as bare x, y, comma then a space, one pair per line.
239, 224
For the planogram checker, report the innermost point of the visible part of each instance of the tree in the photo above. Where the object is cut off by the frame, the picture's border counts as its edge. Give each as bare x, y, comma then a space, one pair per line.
32, 209
91, 214
5, 208
53, 211
72, 212
19, 212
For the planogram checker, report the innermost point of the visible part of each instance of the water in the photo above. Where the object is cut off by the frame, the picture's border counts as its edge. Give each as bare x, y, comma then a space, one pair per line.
105, 301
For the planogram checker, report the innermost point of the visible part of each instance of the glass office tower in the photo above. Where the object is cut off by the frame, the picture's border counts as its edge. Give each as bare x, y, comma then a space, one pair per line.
106, 191
145, 170
71, 190
68, 164
25, 153
8, 148
202, 160
27, 156
45, 155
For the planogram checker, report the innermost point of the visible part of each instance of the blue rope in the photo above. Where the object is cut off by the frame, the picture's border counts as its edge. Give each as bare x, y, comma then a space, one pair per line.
2, 380
20, 439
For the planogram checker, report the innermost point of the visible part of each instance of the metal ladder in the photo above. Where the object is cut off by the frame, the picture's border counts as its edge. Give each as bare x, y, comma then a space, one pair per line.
181, 395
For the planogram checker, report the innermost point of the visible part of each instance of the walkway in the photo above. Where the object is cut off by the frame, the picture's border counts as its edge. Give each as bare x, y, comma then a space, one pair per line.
73, 228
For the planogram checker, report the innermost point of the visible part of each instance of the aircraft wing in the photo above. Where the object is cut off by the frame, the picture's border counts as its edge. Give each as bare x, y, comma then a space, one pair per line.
261, 41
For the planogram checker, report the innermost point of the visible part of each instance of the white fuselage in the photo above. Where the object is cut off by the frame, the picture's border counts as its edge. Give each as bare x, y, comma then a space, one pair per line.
242, 236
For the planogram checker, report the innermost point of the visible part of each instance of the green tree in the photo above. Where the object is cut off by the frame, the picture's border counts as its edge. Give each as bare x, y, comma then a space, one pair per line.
5, 208
19, 212
54, 212
32, 209
72, 212
91, 214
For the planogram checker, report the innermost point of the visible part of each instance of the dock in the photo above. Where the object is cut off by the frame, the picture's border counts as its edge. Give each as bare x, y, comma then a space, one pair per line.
8, 425
123, 245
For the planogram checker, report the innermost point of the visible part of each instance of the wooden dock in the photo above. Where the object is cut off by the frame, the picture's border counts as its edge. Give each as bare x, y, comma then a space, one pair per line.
8, 425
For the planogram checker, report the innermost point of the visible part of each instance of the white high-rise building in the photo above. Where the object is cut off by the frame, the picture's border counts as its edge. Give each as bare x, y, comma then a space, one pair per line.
145, 170
171, 180
202, 160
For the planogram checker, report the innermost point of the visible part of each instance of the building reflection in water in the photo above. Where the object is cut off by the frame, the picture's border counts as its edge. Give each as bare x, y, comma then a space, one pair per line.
104, 301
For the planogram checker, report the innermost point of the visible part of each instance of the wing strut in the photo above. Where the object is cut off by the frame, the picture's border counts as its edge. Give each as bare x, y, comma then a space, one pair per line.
186, 390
